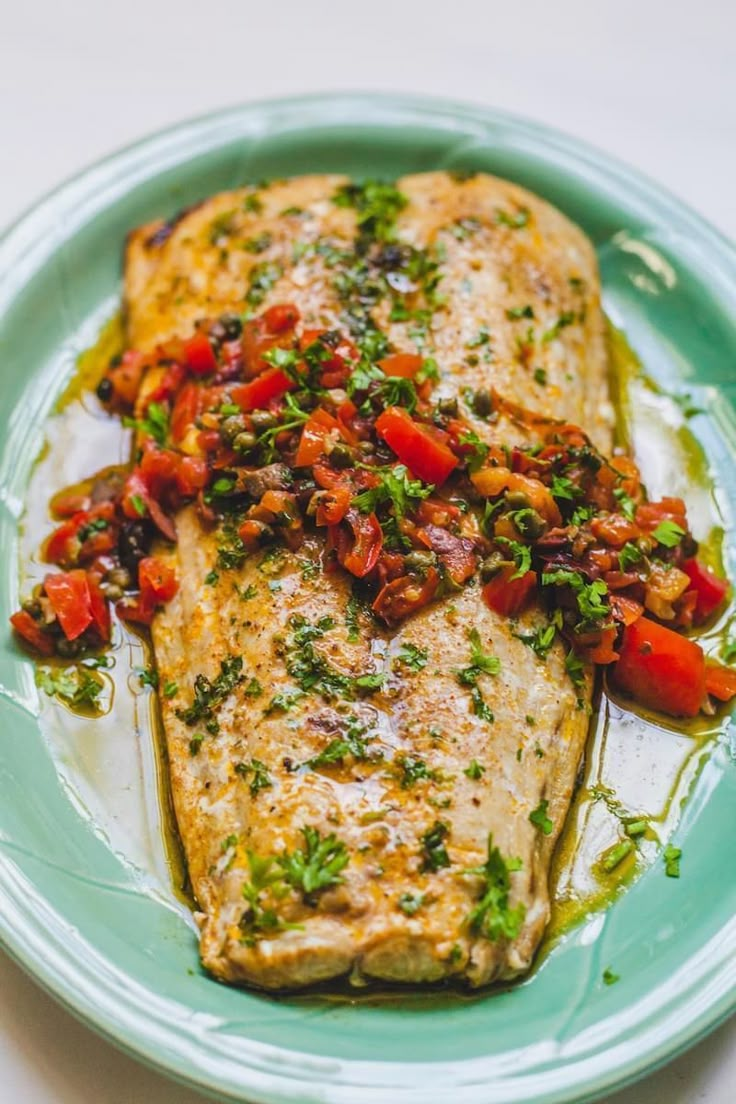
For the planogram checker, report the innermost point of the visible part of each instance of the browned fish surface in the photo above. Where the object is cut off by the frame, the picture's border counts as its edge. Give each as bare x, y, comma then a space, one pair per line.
427, 780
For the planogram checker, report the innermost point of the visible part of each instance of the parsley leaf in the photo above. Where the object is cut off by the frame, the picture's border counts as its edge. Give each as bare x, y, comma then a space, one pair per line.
317, 865
668, 533
413, 657
672, 856
540, 819
434, 852
492, 916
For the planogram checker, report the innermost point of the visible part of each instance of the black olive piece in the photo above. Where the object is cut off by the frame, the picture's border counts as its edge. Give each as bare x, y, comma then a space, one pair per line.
232, 326
104, 389
133, 544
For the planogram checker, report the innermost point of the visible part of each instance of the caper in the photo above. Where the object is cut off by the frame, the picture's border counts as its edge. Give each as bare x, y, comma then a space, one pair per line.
341, 456
263, 419
119, 576
420, 561
530, 523
448, 407
517, 500
112, 591
491, 566
32, 606
366, 447
232, 326
245, 441
482, 402
104, 389
231, 426
645, 545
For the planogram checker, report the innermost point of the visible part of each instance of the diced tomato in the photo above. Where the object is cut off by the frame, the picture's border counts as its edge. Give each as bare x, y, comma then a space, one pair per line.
720, 681
68, 593
405, 595
136, 609
615, 530
333, 505
127, 375
191, 475
186, 409
259, 392
69, 502
709, 588
281, 317
99, 608
157, 579
199, 355
422, 448
138, 502
169, 384
405, 365
32, 633
649, 515
506, 595
434, 511
602, 652
272, 328
367, 544
625, 610
62, 546
317, 430
661, 669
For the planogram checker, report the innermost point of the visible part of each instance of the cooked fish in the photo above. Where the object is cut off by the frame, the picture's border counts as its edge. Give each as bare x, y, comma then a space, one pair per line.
391, 784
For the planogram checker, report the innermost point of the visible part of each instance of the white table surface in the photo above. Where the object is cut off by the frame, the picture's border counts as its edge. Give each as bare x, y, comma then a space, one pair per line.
651, 81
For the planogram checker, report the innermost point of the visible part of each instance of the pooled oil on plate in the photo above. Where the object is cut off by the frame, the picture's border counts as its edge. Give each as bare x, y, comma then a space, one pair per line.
92, 899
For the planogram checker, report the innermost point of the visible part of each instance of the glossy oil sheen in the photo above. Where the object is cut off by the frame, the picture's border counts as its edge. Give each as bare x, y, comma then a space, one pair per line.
86, 901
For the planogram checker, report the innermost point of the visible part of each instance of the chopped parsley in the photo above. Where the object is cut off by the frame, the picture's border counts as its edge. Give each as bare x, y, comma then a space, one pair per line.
672, 856
474, 771
668, 533
377, 205
516, 221
258, 774
412, 769
209, 694
73, 685
410, 903
154, 423
317, 865
609, 977
396, 489
434, 852
493, 916
413, 657
540, 819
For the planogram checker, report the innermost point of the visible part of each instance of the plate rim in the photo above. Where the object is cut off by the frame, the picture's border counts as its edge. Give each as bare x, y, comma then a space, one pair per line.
27, 236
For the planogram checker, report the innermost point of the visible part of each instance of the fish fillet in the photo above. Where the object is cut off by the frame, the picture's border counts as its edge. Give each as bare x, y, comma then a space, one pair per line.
391, 918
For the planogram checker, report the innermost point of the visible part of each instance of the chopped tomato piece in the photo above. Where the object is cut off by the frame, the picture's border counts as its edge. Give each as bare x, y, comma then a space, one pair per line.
506, 595
602, 652
317, 430
157, 579
650, 514
333, 505
69, 502
191, 475
491, 481
199, 355
661, 669
710, 590
281, 317
368, 543
434, 511
186, 409
99, 608
405, 365
405, 595
257, 394
68, 593
625, 610
720, 681
420, 447
126, 376
615, 530
32, 632
63, 545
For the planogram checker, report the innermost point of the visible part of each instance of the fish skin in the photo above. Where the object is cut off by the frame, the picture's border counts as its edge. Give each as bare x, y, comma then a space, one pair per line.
356, 929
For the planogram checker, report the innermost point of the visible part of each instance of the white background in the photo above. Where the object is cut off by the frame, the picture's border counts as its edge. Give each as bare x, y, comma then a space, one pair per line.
652, 82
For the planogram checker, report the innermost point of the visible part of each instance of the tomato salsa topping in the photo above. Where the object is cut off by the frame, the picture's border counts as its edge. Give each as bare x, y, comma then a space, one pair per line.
275, 430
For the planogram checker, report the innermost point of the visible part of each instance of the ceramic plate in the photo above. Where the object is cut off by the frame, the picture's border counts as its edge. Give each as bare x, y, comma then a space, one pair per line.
86, 900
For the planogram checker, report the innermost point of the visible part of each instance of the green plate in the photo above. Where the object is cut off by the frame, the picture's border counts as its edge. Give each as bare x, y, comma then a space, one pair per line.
115, 945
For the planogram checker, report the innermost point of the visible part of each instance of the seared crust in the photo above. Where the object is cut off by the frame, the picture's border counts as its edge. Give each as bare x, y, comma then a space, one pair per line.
173, 279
